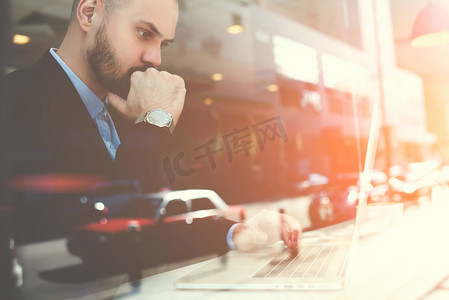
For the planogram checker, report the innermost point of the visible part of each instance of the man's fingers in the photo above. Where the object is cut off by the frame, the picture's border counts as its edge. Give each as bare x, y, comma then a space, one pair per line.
275, 226
292, 238
293, 226
118, 103
290, 231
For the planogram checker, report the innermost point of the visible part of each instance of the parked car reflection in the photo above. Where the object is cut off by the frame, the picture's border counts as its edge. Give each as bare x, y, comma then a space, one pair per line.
49, 206
151, 229
333, 205
415, 181
312, 182
16, 270
336, 202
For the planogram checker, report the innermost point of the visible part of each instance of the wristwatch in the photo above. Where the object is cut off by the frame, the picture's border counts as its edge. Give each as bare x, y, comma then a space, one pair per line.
158, 117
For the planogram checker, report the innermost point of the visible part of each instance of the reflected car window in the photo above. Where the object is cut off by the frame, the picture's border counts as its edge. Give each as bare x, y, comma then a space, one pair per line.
176, 207
201, 203
140, 208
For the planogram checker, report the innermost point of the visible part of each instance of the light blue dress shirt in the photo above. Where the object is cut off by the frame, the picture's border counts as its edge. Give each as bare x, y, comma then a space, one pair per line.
98, 111
97, 108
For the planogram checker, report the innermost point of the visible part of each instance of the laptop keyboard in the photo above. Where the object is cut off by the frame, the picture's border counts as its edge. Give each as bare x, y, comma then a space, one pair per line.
312, 261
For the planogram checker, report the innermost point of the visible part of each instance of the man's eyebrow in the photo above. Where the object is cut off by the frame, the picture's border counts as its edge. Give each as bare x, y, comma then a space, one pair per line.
154, 29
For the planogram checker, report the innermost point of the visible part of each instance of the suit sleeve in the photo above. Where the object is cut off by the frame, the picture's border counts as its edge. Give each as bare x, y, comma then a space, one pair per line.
140, 155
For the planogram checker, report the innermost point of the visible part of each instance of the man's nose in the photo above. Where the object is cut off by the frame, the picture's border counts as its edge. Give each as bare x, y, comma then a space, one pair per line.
152, 56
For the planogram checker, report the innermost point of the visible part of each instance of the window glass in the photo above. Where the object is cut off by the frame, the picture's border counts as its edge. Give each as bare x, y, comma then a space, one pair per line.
277, 90
201, 203
175, 207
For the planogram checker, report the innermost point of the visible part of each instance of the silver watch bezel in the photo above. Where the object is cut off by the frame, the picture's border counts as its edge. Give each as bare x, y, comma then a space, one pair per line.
155, 116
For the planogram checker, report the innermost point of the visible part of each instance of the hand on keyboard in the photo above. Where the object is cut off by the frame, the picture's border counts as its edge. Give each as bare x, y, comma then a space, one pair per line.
267, 227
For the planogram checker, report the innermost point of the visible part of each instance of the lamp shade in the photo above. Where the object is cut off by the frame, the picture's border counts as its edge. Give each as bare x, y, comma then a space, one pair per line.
431, 27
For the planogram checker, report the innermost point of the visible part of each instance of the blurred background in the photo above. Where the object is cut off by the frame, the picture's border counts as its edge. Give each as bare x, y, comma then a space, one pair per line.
318, 65
279, 100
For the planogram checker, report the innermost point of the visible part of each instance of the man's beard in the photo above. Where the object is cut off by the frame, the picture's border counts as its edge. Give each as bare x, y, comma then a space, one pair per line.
105, 66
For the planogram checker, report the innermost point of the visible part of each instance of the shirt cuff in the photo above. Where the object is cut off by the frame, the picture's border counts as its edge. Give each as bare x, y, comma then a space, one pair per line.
231, 245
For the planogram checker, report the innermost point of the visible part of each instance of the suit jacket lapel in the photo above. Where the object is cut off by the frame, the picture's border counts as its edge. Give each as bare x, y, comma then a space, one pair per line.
70, 110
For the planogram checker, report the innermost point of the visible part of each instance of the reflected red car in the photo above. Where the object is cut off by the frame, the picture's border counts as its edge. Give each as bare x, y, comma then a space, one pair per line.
152, 229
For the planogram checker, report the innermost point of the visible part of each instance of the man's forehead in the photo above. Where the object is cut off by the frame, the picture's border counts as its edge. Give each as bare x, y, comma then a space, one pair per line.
160, 15
154, 7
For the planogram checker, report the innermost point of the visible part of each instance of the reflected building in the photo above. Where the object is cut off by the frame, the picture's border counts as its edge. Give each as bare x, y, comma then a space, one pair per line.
312, 64
315, 65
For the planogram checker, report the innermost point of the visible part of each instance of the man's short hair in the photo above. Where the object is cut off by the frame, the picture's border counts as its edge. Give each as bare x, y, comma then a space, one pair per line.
110, 5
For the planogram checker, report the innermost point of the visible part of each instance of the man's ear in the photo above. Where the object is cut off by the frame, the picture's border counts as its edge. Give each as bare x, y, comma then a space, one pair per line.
85, 13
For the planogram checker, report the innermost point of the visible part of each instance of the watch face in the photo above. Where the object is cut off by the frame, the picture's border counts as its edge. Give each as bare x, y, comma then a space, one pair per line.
159, 117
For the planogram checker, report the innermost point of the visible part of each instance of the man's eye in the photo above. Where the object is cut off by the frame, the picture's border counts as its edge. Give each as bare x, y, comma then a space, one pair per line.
144, 33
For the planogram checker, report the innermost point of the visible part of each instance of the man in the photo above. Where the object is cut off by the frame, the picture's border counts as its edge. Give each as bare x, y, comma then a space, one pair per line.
98, 105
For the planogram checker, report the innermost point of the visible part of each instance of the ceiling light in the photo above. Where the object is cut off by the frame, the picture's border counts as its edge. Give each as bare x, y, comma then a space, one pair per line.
208, 101
236, 27
20, 39
217, 77
431, 27
273, 88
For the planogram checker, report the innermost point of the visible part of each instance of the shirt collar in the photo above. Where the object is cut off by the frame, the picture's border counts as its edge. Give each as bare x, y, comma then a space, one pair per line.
92, 102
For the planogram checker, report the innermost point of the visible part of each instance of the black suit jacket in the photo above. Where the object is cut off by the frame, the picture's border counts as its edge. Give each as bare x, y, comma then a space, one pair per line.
51, 131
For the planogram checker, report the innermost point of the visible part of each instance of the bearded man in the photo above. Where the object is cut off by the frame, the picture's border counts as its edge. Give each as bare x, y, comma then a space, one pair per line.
98, 105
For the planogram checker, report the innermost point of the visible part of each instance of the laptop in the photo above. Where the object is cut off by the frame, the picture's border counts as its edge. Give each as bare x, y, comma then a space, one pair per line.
323, 261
